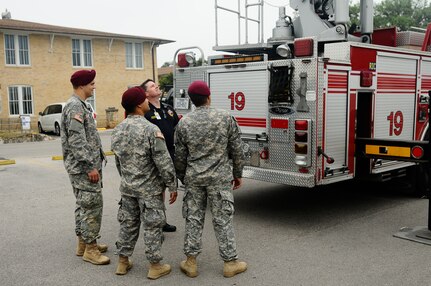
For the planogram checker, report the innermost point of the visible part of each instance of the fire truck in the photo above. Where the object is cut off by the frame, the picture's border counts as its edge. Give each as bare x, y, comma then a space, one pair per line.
302, 97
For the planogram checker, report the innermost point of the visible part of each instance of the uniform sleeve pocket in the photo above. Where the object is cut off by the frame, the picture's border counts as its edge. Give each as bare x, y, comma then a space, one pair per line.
75, 125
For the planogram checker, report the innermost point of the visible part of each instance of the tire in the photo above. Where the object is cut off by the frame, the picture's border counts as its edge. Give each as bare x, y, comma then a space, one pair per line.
57, 129
39, 128
418, 176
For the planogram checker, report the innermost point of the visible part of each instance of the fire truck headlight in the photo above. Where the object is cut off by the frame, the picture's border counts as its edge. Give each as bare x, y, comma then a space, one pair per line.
284, 51
190, 57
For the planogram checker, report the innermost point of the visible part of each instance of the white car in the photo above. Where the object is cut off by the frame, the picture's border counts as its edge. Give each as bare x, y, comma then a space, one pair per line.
50, 118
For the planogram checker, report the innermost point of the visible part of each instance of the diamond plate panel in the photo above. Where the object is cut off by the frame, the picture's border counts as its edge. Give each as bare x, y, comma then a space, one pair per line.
410, 38
280, 166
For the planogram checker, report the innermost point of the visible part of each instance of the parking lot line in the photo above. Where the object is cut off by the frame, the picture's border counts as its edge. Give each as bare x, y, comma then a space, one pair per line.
7, 162
107, 153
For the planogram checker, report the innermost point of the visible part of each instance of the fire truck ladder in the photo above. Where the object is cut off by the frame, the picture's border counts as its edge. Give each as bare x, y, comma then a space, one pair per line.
259, 20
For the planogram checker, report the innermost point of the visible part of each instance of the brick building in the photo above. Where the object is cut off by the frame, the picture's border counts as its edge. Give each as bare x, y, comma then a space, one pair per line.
38, 60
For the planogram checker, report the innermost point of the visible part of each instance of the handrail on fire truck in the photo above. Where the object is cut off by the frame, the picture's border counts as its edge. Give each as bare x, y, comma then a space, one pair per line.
189, 48
259, 20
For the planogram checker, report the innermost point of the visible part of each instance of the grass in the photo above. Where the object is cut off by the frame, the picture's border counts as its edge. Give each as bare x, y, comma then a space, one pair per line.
18, 136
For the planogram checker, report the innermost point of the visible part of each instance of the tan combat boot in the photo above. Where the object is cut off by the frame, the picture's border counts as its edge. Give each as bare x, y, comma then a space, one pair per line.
124, 265
234, 267
80, 248
158, 270
92, 255
189, 266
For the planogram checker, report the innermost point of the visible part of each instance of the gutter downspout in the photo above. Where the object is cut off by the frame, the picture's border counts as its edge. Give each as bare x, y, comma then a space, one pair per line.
153, 46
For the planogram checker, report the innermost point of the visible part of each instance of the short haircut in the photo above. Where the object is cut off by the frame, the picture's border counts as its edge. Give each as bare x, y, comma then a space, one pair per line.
198, 100
144, 84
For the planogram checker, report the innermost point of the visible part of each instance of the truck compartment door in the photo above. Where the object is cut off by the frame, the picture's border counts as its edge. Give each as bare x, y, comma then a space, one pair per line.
395, 97
244, 95
335, 127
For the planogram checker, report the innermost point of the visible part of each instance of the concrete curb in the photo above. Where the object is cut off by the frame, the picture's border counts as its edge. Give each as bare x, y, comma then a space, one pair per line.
57, 158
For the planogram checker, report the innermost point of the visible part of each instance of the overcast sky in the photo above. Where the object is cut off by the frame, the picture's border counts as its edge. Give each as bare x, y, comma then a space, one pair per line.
187, 22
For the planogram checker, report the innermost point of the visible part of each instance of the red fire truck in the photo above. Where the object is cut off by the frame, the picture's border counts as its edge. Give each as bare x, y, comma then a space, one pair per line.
303, 96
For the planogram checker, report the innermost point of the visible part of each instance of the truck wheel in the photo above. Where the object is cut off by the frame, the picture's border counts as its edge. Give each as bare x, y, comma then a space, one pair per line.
39, 128
57, 129
419, 180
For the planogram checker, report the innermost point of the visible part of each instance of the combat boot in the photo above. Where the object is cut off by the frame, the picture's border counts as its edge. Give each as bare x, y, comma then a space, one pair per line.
124, 265
189, 266
92, 255
158, 270
234, 267
80, 248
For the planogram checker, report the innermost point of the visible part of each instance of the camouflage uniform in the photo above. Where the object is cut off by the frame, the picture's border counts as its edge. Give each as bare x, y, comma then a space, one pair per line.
146, 168
82, 152
205, 140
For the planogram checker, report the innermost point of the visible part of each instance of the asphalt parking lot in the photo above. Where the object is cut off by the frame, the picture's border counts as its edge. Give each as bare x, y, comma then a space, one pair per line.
336, 235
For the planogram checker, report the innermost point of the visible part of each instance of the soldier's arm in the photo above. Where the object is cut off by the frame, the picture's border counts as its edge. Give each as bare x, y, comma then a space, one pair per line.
176, 118
234, 148
114, 146
117, 164
163, 161
180, 155
78, 141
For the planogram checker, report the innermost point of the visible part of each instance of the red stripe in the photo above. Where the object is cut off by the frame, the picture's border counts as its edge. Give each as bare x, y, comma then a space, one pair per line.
388, 92
251, 122
337, 91
386, 73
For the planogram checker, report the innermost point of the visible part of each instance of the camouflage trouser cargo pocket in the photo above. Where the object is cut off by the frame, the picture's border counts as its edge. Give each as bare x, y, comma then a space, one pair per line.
185, 206
227, 205
128, 210
91, 208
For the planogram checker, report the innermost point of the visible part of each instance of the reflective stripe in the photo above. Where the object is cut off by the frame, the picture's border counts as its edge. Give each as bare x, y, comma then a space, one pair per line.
388, 151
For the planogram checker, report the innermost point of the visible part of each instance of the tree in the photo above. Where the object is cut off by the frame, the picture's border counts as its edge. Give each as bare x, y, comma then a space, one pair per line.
166, 82
400, 13
166, 64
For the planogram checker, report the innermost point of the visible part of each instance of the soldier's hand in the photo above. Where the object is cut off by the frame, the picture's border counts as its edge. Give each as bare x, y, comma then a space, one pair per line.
172, 197
236, 183
94, 176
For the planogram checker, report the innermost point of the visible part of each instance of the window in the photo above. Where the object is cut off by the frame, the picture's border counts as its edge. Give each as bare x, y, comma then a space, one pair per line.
17, 50
20, 100
82, 53
92, 100
135, 55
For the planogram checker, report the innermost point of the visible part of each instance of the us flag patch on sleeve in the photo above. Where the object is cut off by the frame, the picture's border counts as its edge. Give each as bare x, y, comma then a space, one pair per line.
159, 135
78, 117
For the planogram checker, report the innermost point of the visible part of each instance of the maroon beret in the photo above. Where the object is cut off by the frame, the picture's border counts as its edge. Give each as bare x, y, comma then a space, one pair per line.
132, 98
199, 87
82, 77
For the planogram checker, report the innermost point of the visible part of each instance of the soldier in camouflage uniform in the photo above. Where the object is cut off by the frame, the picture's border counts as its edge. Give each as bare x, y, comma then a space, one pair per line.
205, 140
146, 169
83, 157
